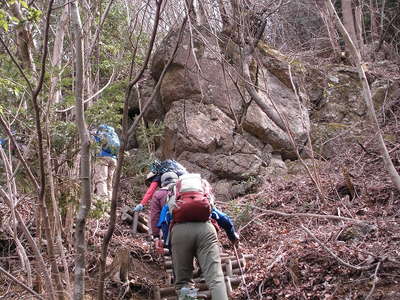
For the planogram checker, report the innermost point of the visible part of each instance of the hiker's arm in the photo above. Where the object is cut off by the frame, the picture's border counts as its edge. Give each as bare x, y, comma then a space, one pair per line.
226, 223
149, 193
155, 209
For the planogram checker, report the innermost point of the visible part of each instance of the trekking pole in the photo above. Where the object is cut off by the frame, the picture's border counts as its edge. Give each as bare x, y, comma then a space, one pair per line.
241, 271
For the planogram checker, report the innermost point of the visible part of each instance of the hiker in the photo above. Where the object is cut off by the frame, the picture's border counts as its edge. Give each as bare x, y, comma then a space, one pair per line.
159, 199
3, 142
198, 238
153, 178
8, 146
105, 161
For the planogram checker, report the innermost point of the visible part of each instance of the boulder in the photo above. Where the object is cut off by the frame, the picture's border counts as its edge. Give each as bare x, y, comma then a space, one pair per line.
210, 123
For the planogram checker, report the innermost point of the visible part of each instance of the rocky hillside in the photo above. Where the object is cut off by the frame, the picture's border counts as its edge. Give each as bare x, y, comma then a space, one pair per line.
325, 226
335, 236
318, 212
337, 239
213, 128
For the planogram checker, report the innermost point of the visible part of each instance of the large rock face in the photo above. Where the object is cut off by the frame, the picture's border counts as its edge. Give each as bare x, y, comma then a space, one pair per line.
210, 126
213, 127
340, 116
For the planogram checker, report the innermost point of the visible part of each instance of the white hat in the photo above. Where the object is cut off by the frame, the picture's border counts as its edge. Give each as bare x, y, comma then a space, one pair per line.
149, 178
150, 175
168, 178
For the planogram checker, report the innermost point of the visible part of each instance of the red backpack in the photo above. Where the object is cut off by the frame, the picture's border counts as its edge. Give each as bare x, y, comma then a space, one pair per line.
191, 199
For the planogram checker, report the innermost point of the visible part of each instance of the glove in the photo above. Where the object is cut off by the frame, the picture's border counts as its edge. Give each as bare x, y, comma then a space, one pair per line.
138, 207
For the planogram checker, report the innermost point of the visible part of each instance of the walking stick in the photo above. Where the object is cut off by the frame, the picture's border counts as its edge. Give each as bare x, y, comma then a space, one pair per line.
241, 271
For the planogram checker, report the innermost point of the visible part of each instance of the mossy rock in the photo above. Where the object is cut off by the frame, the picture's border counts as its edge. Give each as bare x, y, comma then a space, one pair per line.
326, 137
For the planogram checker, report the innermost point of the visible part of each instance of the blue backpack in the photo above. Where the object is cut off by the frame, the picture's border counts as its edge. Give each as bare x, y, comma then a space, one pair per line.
108, 139
169, 165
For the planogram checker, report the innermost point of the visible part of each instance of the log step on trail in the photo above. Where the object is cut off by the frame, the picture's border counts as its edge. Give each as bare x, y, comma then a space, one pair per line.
137, 220
230, 266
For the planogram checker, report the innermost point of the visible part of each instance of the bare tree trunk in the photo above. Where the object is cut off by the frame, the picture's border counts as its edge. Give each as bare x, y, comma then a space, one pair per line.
330, 27
223, 14
382, 18
374, 23
348, 21
24, 39
126, 132
55, 91
55, 97
41, 148
85, 200
87, 59
202, 19
55, 217
359, 29
11, 200
368, 99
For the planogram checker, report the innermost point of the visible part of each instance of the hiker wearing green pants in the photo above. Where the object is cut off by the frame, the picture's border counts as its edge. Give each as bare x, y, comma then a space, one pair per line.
197, 239
187, 222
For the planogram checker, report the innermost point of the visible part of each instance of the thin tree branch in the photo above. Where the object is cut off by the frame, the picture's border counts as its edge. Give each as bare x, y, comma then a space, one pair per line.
19, 154
27, 288
91, 97
38, 255
375, 281
341, 261
45, 51
283, 214
100, 26
17, 65
149, 50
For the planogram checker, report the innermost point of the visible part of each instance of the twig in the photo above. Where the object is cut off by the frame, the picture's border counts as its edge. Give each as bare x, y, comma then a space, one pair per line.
21, 284
91, 97
341, 261
241, 272
17, 65
251, 221
269, 267
375, 280
283, 214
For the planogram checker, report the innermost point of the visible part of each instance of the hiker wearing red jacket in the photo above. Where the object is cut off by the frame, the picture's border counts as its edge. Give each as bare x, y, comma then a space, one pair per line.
153, 179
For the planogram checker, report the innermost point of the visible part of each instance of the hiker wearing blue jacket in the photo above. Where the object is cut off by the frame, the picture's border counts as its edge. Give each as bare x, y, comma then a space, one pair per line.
222, 219
3, 142
105, 160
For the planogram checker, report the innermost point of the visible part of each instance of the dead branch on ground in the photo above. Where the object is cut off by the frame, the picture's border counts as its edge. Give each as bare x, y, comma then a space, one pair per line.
341, 261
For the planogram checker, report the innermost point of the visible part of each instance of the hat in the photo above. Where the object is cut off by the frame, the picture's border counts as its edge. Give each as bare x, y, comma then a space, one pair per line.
149, 178
167, 178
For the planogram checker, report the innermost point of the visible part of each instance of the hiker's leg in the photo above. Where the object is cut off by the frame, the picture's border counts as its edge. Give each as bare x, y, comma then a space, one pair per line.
182, 244
208, 254
100, 176
112, 163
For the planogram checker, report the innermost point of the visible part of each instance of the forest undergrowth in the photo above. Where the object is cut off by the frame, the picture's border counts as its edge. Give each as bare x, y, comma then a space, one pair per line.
345, 245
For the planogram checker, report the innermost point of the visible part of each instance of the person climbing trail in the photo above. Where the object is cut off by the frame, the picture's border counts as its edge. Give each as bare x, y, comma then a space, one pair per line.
153, 178
188, 222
